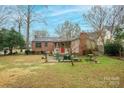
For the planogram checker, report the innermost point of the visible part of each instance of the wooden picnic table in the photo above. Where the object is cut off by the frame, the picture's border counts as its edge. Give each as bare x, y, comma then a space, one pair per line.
67, 57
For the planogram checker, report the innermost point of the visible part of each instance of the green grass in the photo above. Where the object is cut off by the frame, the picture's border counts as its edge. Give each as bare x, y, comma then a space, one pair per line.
30, 73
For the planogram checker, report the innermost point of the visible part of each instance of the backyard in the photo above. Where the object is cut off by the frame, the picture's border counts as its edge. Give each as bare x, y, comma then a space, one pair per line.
30, 71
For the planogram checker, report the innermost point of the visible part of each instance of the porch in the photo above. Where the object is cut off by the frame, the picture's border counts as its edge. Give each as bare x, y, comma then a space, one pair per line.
62, 47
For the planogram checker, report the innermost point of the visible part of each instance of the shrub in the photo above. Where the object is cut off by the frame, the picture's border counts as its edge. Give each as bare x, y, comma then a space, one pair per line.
27, 52
32, 52
113, 49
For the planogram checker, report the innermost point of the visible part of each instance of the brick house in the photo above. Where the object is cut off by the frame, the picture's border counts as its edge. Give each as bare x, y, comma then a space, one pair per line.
51, 44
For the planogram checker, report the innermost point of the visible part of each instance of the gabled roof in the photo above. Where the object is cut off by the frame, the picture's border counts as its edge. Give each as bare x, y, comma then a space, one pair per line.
95, 35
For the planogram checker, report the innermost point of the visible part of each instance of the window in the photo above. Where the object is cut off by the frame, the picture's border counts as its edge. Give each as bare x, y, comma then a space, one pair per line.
46, 44
38, 44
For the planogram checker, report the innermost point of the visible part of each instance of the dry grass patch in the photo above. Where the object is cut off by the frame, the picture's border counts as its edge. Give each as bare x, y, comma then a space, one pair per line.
10, 76
33, 73
21, 58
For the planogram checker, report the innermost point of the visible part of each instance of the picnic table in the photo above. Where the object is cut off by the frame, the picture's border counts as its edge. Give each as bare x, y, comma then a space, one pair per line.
66, 57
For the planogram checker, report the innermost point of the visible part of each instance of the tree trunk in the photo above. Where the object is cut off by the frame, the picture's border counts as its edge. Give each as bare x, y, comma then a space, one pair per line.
19, 26
72, 63
28, 28
5, 51
120, 52
10, 51
27, 37
46, 58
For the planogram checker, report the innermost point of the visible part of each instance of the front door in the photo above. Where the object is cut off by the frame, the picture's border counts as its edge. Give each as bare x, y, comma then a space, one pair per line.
62, 50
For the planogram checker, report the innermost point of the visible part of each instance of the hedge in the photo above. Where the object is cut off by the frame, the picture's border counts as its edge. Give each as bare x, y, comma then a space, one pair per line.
113, 49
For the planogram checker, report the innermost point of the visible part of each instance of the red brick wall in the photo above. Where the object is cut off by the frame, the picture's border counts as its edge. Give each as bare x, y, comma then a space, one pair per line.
50, 46
82, 45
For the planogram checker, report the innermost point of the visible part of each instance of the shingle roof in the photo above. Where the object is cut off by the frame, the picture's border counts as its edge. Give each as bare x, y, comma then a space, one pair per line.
91, 35
95, 35
46, 39
53, 39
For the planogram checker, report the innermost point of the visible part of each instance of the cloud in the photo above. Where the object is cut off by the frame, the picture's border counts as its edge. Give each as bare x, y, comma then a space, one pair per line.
62, 12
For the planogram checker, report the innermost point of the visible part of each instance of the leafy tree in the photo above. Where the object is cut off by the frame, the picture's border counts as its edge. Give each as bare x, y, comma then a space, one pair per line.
113, 48
14, 39
119, 33
2, 38
11, 39
119, 37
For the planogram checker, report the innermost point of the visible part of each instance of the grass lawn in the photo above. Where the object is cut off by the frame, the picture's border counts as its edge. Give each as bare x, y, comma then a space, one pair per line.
29, 71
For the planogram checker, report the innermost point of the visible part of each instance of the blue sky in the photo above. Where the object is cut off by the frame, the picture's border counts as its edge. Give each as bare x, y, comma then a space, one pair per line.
57, 14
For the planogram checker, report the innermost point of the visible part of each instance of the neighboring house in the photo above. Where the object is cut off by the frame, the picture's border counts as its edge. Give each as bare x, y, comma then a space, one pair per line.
77, 45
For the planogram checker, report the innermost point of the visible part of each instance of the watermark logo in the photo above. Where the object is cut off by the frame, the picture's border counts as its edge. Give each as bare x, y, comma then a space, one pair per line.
106, 81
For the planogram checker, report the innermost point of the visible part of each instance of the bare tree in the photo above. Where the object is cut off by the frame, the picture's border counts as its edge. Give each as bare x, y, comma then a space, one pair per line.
68, 30
28, 22
97, 18
16, 17
19, 19
115, 18
30, 16
42, 33
4, 14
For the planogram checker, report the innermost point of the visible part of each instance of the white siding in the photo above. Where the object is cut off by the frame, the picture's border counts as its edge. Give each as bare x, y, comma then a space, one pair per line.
75, 46
90, 44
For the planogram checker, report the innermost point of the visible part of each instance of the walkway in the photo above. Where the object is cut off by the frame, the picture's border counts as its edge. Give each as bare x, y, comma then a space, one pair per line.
52, 59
